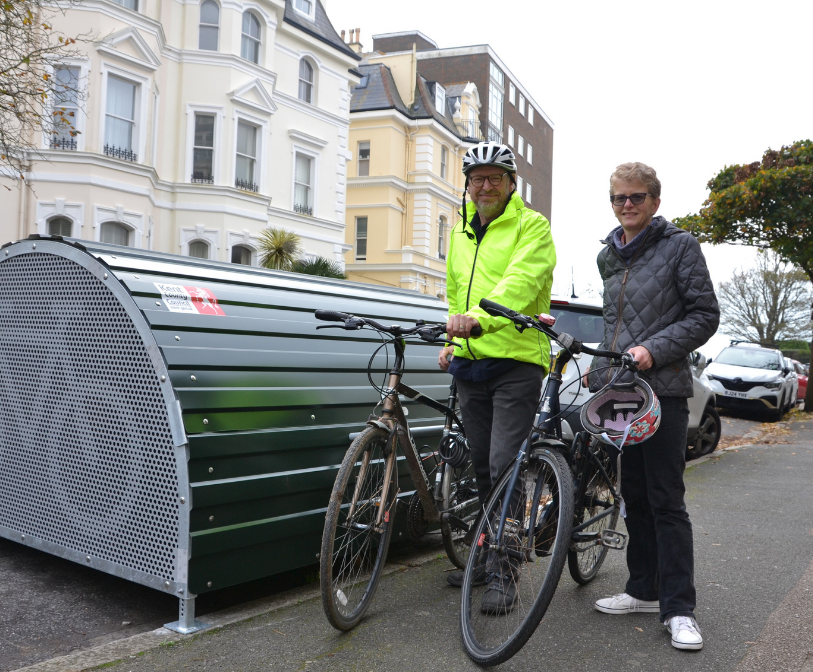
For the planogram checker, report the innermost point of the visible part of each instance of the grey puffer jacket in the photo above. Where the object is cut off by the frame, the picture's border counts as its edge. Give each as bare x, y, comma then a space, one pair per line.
663, 299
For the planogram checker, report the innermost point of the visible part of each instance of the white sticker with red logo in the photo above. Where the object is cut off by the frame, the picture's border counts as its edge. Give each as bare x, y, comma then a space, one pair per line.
182, 299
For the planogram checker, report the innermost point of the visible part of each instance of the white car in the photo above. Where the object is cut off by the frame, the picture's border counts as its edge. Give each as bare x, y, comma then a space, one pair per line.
584, 321
750, 376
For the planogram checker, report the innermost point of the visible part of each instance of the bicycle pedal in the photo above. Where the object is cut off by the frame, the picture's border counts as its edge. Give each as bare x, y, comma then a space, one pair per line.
614, 539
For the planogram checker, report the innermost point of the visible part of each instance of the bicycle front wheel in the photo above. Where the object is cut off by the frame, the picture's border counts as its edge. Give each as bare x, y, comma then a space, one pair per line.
522, 572
460, 499
593, 498
356, 538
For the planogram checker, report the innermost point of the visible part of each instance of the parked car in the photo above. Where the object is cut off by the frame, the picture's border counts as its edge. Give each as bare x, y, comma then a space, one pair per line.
583, 320
801, 374
793, 383
750, 376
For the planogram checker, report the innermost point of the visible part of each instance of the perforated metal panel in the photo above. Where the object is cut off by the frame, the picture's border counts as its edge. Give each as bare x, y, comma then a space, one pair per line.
86, 453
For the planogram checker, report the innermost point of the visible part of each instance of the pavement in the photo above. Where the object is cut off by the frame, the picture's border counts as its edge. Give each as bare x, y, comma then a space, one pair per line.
753, 549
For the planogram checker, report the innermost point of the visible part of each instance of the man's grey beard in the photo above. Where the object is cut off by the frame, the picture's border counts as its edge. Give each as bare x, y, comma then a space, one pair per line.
491, 211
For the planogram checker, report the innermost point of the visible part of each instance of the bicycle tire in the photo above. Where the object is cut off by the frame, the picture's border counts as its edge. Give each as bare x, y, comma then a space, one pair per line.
353, 556
592, 497
459, 486
492, 639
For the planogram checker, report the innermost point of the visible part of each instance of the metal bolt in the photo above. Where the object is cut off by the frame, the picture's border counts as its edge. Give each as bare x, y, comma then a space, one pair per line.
177, 338
166, 583
317, 555
205, 421
35, 246
209, 584
157, 303
211, 469
136, 277
313, 417
211, 519
22, 538
193, 377
183, 500
163, 378
6, 252
180, 591
87, 558
105, 276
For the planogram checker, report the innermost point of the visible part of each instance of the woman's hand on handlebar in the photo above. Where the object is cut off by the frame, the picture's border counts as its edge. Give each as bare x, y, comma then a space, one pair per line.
642, 357
460, 326
445, 357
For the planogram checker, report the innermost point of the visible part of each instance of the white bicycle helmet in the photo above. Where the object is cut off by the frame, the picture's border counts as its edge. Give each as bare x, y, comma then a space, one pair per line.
489, 154
623, 414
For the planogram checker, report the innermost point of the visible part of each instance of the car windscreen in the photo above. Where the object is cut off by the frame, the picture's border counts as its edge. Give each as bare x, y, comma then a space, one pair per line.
750, 357
584, 325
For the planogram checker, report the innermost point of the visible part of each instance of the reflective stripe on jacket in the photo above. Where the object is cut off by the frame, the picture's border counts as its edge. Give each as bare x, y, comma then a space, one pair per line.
512, 265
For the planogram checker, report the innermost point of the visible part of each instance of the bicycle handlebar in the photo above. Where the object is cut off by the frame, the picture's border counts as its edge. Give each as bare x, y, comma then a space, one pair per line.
331, 316
431, 332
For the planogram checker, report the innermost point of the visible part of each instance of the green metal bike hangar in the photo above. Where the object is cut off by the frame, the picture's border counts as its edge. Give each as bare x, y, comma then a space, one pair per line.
179, 422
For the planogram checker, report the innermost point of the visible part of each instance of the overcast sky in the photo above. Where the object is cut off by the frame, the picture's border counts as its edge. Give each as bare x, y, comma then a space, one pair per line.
686, 87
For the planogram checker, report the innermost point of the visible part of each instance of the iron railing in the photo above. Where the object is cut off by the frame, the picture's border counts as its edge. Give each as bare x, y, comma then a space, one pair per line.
470, 128
246, 185
63, 143
303, 209
120, 153
202, 178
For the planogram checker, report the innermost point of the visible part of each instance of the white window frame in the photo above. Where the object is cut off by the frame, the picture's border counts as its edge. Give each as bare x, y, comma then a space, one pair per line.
84, 66
521, 105
358, 157
530, 114
219, 26
262, 134
205, 242
356, 257
315, 69
444, 162
512, 94
311, 16
520, 145
60, 208
511, 135
443, 225
528, 192
440, 98
219, 114
263, 33
496, 89
244, 238
132, 220
529, 153
201, 233
143, 87
314, 192
520, 185
137, 5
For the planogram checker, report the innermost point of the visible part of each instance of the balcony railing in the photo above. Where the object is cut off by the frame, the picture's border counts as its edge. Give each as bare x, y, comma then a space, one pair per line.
303, 209
63, 143
202, 178
120, 153
245, 185
470, 128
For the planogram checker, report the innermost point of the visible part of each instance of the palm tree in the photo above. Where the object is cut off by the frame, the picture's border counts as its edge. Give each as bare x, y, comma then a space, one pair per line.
279, 248
319, 266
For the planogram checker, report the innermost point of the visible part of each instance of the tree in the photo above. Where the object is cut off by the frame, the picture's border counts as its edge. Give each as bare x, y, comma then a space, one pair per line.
279, 248
34, 96
768, 303
768, 204
319, 266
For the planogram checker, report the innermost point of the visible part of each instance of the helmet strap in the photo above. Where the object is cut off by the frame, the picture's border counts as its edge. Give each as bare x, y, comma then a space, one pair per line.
465, 186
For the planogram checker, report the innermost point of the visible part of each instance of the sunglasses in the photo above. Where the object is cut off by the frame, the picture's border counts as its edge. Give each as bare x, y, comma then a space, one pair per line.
621, 199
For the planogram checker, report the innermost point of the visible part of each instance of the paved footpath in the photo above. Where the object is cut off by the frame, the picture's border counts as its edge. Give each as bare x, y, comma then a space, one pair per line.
751, 508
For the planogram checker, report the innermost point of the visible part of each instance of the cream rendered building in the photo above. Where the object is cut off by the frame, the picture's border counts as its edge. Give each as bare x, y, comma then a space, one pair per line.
205, 122
405, 181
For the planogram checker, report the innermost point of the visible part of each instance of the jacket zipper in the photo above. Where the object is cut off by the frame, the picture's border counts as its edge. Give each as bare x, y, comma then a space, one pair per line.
621, 295
471, 279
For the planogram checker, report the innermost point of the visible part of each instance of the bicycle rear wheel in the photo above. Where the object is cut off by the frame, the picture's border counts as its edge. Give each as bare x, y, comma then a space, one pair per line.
593, 497
531, 559
460, 499
354, 546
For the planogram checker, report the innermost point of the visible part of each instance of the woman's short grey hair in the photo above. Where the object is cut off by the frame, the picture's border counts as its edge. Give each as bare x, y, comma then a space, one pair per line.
640, 172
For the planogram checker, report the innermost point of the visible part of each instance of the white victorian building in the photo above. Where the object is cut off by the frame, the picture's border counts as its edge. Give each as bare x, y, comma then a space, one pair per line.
205, 122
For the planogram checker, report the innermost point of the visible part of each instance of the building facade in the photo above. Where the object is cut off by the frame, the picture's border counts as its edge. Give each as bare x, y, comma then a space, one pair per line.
405, 181
204, 123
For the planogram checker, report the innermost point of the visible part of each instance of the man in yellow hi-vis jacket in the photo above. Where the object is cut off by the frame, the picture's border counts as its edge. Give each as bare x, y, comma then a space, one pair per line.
502, 251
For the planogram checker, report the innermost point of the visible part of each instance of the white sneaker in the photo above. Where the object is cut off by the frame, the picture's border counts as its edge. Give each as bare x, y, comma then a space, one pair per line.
685, 633
626, 604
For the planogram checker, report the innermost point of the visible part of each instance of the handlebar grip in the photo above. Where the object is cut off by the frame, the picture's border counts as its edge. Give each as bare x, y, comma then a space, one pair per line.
495, 309
331, 316
477, 331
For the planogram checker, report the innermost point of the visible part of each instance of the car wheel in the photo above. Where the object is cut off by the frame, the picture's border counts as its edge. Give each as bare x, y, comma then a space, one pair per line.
708, 434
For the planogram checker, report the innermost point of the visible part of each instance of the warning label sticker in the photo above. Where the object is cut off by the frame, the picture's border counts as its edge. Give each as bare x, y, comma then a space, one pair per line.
182, 299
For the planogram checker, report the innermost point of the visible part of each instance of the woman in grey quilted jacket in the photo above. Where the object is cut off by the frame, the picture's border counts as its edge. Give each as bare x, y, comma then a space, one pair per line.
659, 305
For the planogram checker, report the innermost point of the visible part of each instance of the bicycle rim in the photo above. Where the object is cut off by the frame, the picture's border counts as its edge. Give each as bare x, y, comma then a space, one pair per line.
354, 550
594, 496
459, 498
540, 536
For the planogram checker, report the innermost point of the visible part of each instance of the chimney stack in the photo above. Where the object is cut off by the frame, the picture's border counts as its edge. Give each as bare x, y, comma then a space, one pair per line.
352, 35
343, 40
355, 40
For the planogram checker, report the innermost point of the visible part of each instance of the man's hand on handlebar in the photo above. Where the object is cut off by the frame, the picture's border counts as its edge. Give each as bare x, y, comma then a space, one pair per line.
460, 326
445, 357
642, 357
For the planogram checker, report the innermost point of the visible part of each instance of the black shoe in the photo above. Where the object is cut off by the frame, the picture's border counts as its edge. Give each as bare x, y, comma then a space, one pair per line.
480, 578
500, 595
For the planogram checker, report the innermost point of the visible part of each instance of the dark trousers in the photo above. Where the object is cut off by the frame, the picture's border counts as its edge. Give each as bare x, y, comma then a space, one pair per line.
498, 414
660, 553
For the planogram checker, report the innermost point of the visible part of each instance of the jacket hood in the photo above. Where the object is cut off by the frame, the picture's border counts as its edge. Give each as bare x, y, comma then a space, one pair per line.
661, 228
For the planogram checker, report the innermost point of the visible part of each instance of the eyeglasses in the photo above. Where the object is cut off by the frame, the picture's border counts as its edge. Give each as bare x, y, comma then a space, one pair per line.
495, 179
621, 199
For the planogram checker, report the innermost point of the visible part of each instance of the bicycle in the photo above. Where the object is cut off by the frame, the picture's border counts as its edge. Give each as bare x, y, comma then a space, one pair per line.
361, 514
554, 503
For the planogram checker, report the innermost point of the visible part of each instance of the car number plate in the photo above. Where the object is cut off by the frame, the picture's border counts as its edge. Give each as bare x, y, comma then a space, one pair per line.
739, 395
